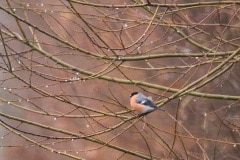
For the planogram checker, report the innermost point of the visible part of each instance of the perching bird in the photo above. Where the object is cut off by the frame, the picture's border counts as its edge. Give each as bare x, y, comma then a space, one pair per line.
142, 103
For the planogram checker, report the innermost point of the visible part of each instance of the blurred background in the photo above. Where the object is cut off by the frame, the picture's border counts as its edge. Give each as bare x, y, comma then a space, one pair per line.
67, 69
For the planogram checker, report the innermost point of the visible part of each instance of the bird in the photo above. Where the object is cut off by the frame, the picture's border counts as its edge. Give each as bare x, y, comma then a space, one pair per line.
142, 103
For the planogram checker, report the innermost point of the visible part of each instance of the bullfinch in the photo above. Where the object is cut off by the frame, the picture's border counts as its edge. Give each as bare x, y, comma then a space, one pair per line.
142, 103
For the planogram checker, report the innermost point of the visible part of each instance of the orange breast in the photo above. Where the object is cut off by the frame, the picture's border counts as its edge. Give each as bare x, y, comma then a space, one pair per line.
136, 106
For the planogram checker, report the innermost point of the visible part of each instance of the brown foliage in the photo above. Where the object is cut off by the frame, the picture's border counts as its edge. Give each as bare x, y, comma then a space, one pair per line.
68, 68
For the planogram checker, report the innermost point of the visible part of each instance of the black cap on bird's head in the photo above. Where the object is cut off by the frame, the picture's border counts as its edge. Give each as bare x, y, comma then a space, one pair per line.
133, 93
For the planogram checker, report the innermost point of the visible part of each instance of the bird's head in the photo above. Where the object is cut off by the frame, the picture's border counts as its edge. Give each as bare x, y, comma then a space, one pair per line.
133, 93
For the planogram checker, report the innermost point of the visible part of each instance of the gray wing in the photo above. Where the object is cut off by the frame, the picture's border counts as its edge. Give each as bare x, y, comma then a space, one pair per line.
142, 99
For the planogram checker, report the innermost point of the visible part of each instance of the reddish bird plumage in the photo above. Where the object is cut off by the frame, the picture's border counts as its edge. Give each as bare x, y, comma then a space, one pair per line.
142, 103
